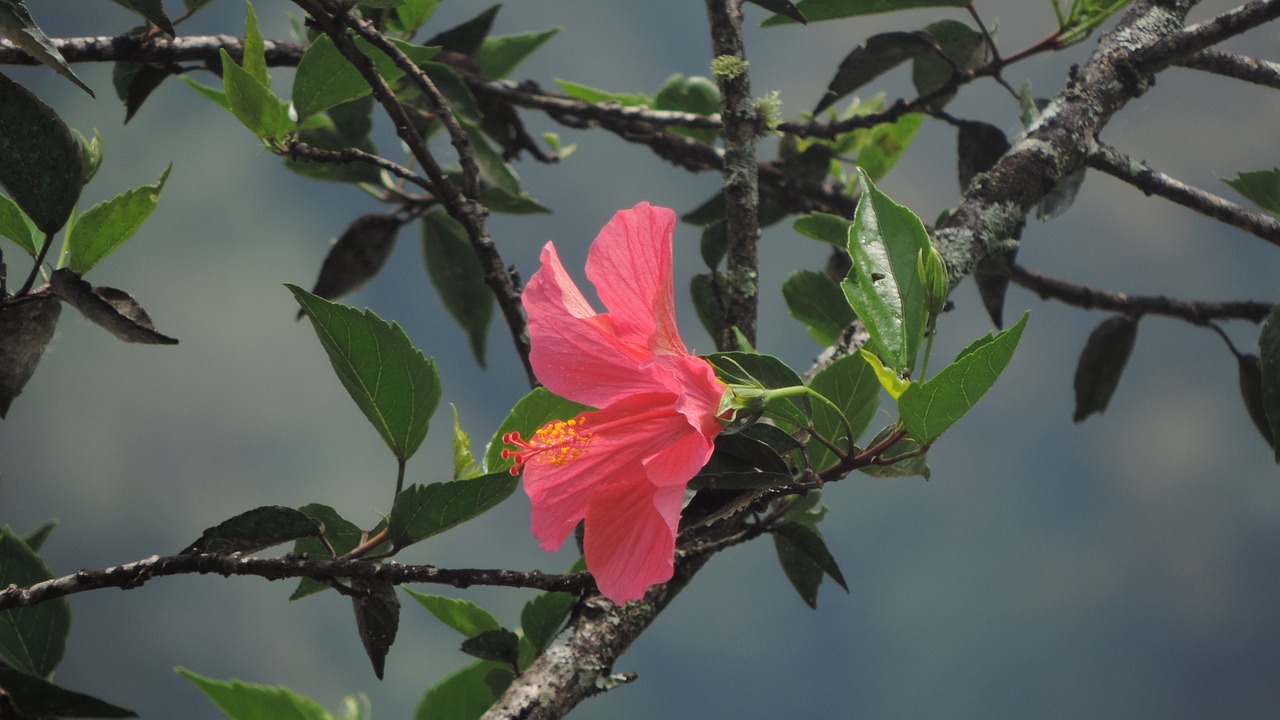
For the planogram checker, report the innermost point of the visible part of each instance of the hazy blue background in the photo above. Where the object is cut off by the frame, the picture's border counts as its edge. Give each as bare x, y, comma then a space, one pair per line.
1123, 568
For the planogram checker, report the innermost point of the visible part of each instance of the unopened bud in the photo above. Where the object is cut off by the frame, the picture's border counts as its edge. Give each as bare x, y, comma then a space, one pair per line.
933, 275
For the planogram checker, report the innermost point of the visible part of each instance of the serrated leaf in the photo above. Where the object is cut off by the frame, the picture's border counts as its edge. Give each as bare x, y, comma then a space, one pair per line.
240, 700
377, 619
851, 385
878, 55
500, 54
819, 10
255, 530
32, 639
464, 616
531, 412
458, 277
391, 381
543, 616
325, 78
15, 225
109, 308
831, 229
421, 511
17, 27
1262, 187
253, 103
886, 143
929, 407
26, 328
107, 225
464, 695
594, 95
342, 536
884, 285
1101, 363
152, 11
467, 38
357, 255
41, 163
500, 646
816, 300
1269, 352
768, 372
34, 697
1250, 376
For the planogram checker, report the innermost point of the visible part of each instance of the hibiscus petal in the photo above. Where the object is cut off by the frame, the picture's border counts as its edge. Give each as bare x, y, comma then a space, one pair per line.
630, 264
631, 537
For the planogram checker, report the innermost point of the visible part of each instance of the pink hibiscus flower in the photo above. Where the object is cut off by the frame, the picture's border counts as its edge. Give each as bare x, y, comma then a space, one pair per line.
622, 468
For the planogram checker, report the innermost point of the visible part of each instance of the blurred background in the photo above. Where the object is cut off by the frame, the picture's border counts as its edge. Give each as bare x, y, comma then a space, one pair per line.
1121, 568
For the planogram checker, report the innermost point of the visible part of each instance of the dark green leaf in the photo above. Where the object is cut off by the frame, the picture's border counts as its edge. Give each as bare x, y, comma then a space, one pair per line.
15, 225
26, 328
342, 536
467, 38
958, 48
393, 383
831, 229
463, 695
816, 300
246, 701
33, 638
325, 78
499, 679
782, 7
819, 10
41, 163
930, 407
1250, 369
153, 12
500, 54
456, 273
500, 201
377, 619
808, 541
464, 616
1269, 352
413, 14
531, 412
1262, 187
107, 225
880, 54
109, 308
543, 617
1101, 363
978, 146
255, 530
706, 303
768, 372
34, 697
851, 385
884, 286
886, 143
425, 510
17, 27
357, 255
324, 133
805, 575
907, 460
253, 103
501, 646
756, 447
35, 539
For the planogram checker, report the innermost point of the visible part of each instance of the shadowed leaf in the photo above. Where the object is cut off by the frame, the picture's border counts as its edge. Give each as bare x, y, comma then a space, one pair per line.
255, 530
1250, 376
35, 697
421, 511
880, 54
32, 639
377, 619
26, 327
819, 10
467, 38
1269, 353
152, 11
356, 256
113, 310
1101, 363
500, 645
456, 273
17, 27
543, 616
41, 163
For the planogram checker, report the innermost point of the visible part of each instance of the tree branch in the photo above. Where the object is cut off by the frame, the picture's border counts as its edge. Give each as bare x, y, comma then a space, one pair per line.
1233, 65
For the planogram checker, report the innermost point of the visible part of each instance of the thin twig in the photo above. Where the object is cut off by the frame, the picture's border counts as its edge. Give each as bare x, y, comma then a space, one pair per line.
1234, 65
298, 150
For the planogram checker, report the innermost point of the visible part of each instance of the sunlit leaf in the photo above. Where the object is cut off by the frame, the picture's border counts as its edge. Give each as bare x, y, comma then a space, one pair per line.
107, 225
253, 103
17, 27
464, 616
15, 225
240, 700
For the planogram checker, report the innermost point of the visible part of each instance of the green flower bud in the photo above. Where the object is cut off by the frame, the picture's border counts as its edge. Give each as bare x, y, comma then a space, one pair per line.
933, 274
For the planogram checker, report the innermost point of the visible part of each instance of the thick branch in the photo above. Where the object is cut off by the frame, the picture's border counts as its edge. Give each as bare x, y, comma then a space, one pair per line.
1089, 298
134, 574
1151, 182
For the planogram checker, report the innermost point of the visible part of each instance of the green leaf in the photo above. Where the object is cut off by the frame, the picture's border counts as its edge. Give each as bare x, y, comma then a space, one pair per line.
886, 143
152, 11
493, 169
463, 695
467, 38
1262, 187
1269, 352
769, 372
692, 95
421, 511
880, 54
808, 541
930, 407
392, 382
17, 27
884, 286
377, 619
240, 700
500, 646
32, 639
906, 456
1250, 379
1101, 363
15, 225
816, 300
782, 7
594, 95
851, 385
253, 103
531, 412
958, 47
464, 461
35, 539
464, 616
543, 616
819, 10
92, 152
706, 303
325, 78
255, 50
500, 54
107, 225
41, 163
34, 697
804, 574
342, 536
214, 95
413, 14
456, 273
831, 229
254, 530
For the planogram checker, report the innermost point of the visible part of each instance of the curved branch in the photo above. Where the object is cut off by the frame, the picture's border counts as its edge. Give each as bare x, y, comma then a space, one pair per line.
1234, 65
135, 574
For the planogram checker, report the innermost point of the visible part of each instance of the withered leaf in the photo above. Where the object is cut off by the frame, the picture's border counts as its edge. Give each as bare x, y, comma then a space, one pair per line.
357, 256
114, 310
1101, 363
26, 327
